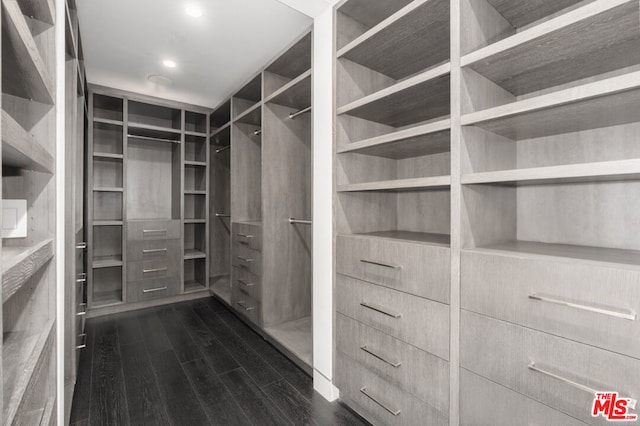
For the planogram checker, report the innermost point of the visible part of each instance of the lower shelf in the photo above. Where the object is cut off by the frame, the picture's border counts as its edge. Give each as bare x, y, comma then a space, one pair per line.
104, 298
410, 237
296, 336
20, 263
194, 285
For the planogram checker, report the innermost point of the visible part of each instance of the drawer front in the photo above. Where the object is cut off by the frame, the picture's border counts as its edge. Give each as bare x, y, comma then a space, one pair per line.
414, 268
535, 293
248, 282
153, 269
247, 235
401, 315
380, 401
484, 403
140, 250
524, 360
419, 373
248, 259
153, 230
246, 305
140, 291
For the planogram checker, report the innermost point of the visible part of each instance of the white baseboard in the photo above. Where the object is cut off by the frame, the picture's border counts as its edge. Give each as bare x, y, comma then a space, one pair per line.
324, 387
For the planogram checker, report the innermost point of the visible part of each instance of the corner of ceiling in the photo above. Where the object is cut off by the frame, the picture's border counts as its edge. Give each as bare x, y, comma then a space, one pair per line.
311, 8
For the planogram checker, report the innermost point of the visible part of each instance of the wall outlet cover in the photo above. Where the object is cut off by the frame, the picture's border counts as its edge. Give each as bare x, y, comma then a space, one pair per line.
14, 218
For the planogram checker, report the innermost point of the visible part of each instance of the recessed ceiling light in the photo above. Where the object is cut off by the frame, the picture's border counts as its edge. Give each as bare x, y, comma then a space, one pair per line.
159, 79
193, 10
169, 63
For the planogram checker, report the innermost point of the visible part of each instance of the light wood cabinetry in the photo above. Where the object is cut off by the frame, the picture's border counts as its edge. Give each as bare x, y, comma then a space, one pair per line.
485, 159
148, 217
28, 264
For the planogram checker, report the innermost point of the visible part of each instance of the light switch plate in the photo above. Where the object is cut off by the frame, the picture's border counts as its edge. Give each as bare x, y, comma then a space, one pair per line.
14, 218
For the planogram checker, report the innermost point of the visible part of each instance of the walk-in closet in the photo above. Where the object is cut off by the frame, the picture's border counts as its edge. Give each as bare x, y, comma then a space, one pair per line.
320, 212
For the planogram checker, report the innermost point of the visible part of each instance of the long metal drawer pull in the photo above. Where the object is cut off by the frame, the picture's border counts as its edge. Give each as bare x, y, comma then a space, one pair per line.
82, 309
384, 265
243, 306
244, 283
380, 310
395, 364
154, 231
148, 251
613, 312
148, 271
532, 366
244, 235
244, 259
82, 277
153, 290
390, 410
81, 246
83, 338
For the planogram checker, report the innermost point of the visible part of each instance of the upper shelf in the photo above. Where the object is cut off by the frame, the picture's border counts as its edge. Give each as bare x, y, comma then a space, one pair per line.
221, 116
20, 263
160, 134
295, 94
411, 40
251, 116
29, 78
154, 116
603, 103
597, 38
416, 99
21, 150
42, 10
70, 37
524, 12
363, 15
396, 185
295, 61
439, 240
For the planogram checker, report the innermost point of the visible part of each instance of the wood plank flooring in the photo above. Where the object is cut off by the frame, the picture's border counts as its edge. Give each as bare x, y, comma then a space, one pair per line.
192, 363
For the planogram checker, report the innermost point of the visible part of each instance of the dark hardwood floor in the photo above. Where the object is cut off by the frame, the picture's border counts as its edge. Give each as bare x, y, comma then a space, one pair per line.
192, 363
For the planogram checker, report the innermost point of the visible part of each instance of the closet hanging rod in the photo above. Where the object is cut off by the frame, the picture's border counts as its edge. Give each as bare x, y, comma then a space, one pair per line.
224, 148
293, 221
293, 115
152, 138
258, 132
222, 215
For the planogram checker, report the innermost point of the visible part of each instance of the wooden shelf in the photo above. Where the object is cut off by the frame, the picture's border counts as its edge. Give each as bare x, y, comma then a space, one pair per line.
107, 223
194, 254
24, 353
195, 192
295, 60
21, 150
535, 250
140, 126
295, 94
296, 336
29, 77
42, 10
437, 182
440, 240
416, 99
107, 155
195, 221
107, 262
597, 38
524, 12
221, 116
253, 115
192, 286
370, 13
411, 40
20, 263
196, 163
570, 173
70, 37
426, 139
107, 121
603, 103
200, 134
107, 298
220, 130
107, 189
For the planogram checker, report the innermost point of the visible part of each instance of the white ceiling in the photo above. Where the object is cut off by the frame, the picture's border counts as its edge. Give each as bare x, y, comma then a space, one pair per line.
124, 41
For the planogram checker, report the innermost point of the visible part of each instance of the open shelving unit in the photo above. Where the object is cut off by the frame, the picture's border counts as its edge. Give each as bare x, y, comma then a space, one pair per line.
28, 173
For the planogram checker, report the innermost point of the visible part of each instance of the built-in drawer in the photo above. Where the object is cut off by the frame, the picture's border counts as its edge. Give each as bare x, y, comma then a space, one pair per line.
248, 259
153, 230
248, 306
248, 235
140, 291
153, 269
153, 249
484, 403
557, 372
380, 401
418, 269
588, 303
247, 281
420, 322
423, 375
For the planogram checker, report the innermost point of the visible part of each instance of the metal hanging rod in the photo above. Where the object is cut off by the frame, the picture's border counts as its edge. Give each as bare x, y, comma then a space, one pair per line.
293, 221
293, 115
152, 138
224, 148
258, 132
222, 215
